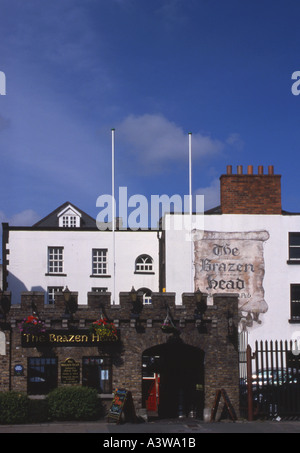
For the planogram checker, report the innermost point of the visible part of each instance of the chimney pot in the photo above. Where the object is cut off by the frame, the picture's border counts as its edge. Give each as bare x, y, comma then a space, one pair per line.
229, 169
251, 194
271, 170
239, 169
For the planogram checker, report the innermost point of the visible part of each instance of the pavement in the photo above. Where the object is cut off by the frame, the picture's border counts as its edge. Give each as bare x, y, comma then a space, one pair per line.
176, 427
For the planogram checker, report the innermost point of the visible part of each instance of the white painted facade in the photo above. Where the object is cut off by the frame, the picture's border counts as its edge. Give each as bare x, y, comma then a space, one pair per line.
28, 261
278, 274
27, 254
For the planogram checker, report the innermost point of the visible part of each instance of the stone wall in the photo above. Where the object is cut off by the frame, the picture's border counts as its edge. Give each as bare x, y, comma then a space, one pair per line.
138, 332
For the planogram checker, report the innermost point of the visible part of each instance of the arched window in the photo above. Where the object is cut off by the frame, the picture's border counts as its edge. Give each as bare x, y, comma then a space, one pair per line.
146, 294
144, 265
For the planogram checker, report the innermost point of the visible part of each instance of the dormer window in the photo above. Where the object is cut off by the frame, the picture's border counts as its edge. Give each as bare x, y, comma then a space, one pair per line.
69, 217
69, 221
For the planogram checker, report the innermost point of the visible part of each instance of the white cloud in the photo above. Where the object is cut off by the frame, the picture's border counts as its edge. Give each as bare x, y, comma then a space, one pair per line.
155, 140
25, 218
235, 140
211, 194
4, 122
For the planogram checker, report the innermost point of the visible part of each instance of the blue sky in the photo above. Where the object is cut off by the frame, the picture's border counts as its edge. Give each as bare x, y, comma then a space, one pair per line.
154, 70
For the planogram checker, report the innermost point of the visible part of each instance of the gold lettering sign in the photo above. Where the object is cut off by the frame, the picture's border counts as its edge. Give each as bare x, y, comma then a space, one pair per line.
70, 372
56, 338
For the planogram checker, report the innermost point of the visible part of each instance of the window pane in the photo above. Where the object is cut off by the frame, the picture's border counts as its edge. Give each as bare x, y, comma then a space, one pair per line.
55, 259
97, 373
99, 261
295, 302
144, 263
295, 253
42, 375
294, 238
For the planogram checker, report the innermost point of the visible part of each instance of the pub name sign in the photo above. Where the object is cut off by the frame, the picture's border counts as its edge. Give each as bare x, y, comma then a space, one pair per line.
58, 338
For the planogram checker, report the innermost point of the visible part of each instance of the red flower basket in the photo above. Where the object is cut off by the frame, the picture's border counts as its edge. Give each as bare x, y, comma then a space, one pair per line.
105, 329
32, 325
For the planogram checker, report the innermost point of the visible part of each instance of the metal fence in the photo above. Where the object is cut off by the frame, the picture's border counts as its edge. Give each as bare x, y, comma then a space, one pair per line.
271, 386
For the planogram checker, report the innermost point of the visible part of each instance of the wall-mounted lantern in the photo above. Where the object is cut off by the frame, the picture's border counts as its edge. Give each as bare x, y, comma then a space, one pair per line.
70, 304
232, 330
201, 307
5, 305
137, 308
137, 304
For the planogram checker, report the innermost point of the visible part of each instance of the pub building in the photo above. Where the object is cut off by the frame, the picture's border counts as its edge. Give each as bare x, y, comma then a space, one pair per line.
173, 350
172, 358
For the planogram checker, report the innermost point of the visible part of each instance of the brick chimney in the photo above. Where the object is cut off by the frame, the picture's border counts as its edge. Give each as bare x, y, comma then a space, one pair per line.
250, 193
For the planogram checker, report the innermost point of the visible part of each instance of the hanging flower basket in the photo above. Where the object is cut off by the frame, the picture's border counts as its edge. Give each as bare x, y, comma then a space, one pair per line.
105, 329
168, 328
32, 325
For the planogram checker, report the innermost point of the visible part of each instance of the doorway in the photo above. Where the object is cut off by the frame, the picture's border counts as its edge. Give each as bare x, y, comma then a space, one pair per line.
173, 380
96, 373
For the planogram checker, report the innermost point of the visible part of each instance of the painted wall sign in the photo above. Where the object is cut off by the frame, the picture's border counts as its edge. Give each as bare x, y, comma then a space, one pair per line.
232, 262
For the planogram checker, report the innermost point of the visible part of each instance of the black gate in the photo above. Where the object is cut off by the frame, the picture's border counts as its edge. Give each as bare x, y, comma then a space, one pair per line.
274, 371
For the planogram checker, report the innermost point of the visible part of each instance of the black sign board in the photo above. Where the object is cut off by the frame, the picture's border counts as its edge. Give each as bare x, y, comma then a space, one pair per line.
60, 338
227, 402
122, 404
70, 372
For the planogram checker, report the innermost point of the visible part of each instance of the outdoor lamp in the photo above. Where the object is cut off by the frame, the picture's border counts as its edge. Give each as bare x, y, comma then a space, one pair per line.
230, 323
133, 295
67, 295
137, 304
232, 330
201, 307
201, 304
198, 295
5, 305
70, 304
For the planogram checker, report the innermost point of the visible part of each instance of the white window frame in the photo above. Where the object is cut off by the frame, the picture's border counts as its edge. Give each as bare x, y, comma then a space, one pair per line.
294, 246
99, 262
51, 292
69, 221
100, 289
144, 264
295, 302
146, 294
69, 217
55, 260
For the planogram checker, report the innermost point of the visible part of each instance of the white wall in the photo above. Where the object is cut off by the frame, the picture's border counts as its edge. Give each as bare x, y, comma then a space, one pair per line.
278, 274
28, 264
28, 261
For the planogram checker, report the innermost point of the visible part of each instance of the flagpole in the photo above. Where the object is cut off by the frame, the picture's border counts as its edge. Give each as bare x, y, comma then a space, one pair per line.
190, 173
113, 210
191, 209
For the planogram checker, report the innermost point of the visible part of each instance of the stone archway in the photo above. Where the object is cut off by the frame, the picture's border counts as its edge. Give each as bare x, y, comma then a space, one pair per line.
178, 374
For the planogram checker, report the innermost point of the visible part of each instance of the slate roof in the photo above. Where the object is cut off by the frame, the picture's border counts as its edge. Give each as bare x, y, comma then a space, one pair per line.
51, 220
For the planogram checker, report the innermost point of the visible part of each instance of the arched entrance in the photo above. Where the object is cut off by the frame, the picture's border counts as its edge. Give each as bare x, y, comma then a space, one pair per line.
173, 380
